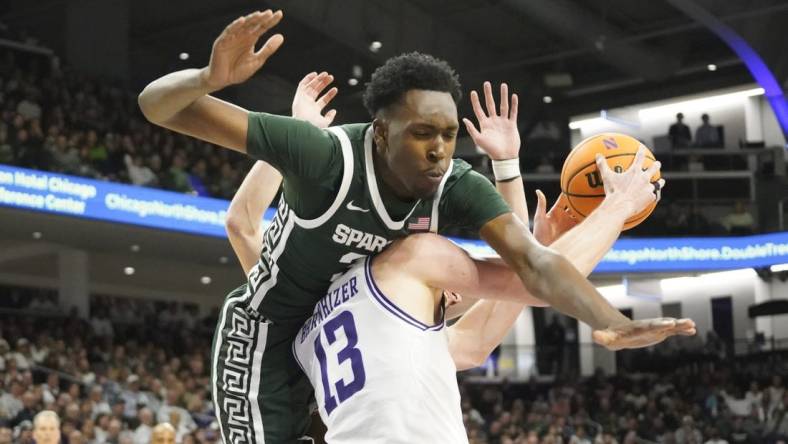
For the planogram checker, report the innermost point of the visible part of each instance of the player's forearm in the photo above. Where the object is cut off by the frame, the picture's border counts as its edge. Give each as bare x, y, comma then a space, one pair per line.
558, 283
180, 102
480, 330
547, 275
168, 95
513, 193
244, 217
586, 244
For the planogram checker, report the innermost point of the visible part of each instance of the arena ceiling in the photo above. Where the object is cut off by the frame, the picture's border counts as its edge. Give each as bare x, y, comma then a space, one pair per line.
585, 54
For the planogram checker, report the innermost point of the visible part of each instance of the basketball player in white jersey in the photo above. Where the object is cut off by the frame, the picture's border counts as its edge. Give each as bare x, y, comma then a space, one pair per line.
377, 350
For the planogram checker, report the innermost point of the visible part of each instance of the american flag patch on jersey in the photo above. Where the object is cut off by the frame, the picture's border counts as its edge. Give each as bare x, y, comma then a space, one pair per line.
419, 223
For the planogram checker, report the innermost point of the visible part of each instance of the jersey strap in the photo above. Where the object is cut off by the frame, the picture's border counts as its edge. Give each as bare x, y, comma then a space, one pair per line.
347, 178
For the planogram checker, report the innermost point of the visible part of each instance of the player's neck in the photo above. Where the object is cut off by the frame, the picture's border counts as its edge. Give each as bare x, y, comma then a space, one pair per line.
388, 183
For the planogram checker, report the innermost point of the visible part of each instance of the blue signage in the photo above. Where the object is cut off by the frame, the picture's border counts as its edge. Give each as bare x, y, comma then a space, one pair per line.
113, 202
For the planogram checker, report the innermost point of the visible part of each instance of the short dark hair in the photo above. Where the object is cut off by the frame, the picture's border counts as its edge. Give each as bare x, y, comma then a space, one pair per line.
409, 71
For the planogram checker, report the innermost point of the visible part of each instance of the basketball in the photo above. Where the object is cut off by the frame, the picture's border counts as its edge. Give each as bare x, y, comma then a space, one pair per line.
580, 178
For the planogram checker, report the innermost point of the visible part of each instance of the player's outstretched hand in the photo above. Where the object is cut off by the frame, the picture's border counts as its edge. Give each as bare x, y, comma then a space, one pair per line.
550, 225
633, 187
497, 134
643, 333
308, 103
233, 58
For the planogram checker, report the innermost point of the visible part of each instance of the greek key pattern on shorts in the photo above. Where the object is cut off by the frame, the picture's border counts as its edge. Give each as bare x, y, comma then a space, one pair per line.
236, 376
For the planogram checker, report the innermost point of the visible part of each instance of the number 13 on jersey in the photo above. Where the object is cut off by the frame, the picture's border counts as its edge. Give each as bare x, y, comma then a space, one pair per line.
347, 355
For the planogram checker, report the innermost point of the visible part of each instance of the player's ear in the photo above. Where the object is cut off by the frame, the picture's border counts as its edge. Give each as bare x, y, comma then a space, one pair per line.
380, 133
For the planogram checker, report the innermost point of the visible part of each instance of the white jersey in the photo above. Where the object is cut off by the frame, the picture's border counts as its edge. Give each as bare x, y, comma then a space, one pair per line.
380, 376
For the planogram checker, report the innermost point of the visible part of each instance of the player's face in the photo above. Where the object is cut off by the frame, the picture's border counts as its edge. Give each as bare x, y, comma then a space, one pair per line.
416, 139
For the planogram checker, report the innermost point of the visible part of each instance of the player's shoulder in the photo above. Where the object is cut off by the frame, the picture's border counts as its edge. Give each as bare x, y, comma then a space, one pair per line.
355, 131
463, 174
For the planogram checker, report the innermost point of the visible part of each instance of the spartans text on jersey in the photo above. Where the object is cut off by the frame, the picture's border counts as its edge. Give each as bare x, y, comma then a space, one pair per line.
350, 237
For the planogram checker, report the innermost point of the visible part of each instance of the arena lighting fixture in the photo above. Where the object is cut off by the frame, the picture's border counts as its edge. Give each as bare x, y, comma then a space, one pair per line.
352, 81
711, 67
135, 248
223, 259
183, 56
700, 105
37, 235
604, 116
128, 271
778, 268
577, 124
375, 45
357, 71
205, 280
547, 99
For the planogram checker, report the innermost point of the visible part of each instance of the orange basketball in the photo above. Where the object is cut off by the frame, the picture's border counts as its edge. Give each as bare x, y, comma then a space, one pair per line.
580, 178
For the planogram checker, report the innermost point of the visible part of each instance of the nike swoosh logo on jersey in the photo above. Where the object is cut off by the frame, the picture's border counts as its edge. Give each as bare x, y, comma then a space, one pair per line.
352, 207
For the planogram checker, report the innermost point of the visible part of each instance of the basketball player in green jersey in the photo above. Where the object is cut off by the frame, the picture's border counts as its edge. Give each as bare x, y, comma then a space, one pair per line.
347, 192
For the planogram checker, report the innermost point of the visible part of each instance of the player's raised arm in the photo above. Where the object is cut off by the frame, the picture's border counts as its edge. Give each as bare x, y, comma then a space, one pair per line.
254, 196
180, 101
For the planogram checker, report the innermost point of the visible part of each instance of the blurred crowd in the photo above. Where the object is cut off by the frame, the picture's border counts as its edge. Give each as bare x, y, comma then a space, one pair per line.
54, 119
111, 377
697, 403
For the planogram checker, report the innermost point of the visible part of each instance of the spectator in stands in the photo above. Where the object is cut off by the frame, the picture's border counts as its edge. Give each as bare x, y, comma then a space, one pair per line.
6, 434
139, 173
714, 437
679, 133
6, 151
688, 433
706, 135
163, 433
178, 179
740, 221
46, 428
144, 432
24, 433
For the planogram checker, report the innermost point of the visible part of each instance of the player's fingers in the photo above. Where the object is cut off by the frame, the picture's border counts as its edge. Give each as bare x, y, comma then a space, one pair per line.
504, 100
321, 84
269, 22
477, 106
235, 25
602, 166
489, 101
513, 108
640, 157
471, 129
269, 48
652, 170
330, 116
690, 332
255, 20
307, 78
314, 85
541, 205
326, 98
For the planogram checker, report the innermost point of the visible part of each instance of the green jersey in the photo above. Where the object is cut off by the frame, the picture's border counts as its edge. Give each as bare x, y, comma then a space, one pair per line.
333, 211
